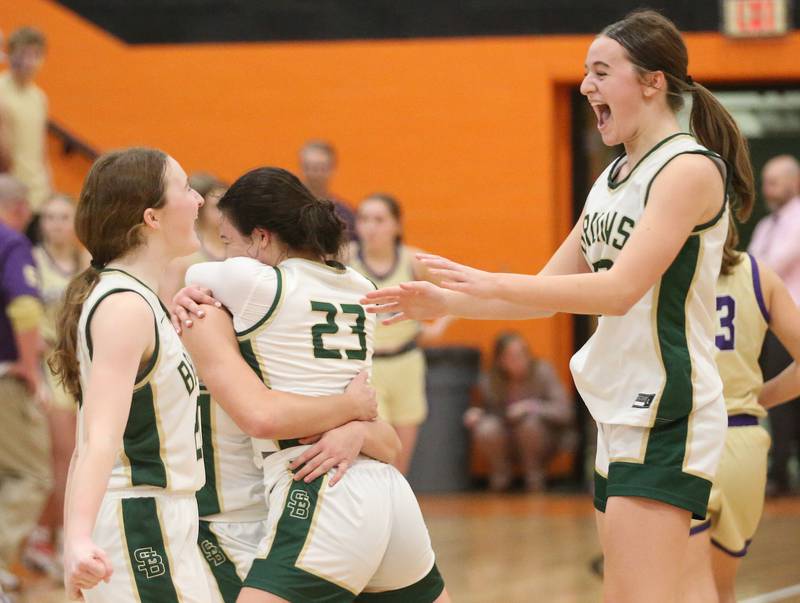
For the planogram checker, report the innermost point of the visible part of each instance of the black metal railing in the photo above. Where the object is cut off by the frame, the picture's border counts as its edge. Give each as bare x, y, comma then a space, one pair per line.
70, 143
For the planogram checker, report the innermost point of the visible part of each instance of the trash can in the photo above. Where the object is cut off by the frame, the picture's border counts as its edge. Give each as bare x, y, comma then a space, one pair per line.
441, 458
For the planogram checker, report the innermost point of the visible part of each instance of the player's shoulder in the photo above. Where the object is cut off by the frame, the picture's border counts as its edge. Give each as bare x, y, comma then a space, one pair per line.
360, 282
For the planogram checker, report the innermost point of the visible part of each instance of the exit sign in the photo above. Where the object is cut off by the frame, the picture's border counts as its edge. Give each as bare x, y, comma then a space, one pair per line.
755, 18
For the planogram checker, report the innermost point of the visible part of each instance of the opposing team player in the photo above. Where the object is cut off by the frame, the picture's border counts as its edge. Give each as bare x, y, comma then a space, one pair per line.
300, 328
750, 300
644, 255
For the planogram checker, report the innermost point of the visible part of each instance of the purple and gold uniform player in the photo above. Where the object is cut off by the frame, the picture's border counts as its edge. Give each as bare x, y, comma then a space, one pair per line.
751, 300
24, 442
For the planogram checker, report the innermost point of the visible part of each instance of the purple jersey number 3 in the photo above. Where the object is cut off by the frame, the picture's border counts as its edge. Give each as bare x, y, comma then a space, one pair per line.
726, 310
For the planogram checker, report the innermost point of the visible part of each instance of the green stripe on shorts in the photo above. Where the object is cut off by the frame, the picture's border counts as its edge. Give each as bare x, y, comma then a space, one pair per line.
146, 551
222, 568
277, 573
661, 476
426, 590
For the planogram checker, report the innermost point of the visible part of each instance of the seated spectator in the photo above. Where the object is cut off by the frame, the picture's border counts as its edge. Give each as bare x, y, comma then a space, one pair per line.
523, 412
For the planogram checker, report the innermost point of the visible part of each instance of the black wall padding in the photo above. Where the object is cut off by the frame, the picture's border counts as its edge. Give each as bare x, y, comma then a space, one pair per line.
188, 21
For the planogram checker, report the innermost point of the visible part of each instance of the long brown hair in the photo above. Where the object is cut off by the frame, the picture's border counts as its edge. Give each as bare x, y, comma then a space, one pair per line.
499, 379
120, 186
653, 43
275, 200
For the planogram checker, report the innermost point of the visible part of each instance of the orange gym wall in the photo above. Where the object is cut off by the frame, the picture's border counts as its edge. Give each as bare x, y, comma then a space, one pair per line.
472, 135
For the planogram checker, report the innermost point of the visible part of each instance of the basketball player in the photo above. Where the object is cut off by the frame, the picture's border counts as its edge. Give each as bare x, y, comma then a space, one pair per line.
300, 328
398, 368
750, 300
131, 515
645, 256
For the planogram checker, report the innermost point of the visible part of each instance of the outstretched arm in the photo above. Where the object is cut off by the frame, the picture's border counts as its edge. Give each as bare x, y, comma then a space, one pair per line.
785, 323
687, 192
420, 300
257, 410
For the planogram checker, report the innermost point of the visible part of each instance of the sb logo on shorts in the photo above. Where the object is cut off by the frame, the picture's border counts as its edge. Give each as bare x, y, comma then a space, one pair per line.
212, 552
299, 504
149, 562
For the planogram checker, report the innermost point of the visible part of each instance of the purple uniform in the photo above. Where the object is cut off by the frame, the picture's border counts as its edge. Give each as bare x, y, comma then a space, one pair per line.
17, 278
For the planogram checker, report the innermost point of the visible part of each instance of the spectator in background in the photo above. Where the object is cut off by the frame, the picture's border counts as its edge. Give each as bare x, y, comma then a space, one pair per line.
776, 242
5, 157
317, 165
24, 441
211, 189
58, 258
398, 365
24, 108
523, 412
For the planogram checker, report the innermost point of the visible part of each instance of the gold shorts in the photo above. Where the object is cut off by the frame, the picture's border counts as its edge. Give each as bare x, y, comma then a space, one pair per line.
400, 384
737, 496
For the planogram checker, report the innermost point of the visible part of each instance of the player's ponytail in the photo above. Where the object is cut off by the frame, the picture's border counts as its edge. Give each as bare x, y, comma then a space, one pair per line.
120, 186
653, 43
716, 129
323, 229
276, 200
730, 255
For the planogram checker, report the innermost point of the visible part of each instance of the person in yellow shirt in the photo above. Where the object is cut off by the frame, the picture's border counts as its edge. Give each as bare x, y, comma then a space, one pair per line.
751, 299
24, 110
398, 368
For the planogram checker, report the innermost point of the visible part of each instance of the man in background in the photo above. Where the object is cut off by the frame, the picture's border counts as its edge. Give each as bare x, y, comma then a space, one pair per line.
317, 165
776, 242
24, 114
25, 468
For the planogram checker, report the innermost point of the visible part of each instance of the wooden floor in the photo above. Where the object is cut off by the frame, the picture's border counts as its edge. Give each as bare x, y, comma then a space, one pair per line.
530, 548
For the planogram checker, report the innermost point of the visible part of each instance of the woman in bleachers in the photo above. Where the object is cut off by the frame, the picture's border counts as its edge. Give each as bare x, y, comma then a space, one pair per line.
524, 412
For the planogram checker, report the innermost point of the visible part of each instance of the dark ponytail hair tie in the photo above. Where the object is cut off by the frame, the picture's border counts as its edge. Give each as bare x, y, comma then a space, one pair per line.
97, 265
689, 81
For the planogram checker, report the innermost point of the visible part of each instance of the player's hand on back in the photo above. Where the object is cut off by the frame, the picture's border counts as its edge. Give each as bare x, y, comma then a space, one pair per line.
362, 395
85, 565
186, 306
335, 448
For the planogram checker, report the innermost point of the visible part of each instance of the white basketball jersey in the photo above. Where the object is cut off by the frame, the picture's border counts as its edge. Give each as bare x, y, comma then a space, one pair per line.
162, 443
300, 325
656, 361
234, 489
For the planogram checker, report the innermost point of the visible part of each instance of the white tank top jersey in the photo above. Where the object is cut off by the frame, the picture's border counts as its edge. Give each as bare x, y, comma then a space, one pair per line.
162, 443
657, 361
299, 324
234, 489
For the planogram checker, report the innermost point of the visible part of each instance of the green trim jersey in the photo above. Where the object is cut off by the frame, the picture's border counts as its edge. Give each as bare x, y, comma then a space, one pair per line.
657, 361
743, 324
234, 490
161, 445
300, 324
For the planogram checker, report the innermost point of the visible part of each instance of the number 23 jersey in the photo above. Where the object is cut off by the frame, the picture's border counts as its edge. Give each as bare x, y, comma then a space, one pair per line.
299, 324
